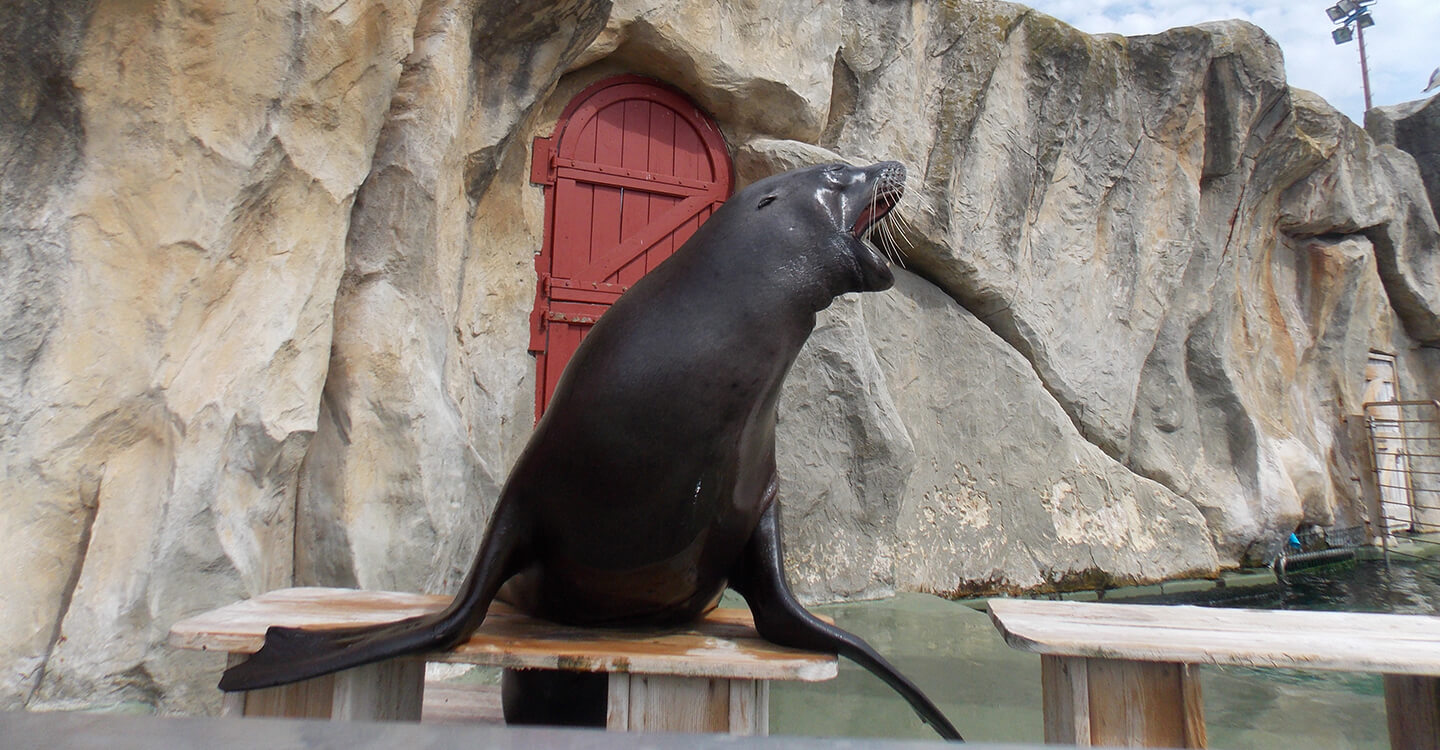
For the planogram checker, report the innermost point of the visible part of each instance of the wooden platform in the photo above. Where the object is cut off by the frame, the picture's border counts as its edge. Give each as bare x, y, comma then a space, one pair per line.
712, 676
1118, 674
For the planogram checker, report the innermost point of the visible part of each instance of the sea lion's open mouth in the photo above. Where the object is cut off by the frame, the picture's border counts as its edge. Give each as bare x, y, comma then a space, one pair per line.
873, 213
889, 185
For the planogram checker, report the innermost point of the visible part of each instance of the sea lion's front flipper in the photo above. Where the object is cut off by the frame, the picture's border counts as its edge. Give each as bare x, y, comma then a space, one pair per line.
779, 617
293, 654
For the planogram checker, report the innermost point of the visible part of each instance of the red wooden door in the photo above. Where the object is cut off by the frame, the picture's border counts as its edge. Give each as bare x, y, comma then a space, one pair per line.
632, 170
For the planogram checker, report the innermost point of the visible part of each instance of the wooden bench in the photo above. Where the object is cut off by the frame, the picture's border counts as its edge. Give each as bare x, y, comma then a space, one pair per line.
712, 676
1124, 674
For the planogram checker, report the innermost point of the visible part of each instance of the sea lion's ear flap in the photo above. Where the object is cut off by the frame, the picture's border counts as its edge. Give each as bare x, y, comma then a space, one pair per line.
767, 200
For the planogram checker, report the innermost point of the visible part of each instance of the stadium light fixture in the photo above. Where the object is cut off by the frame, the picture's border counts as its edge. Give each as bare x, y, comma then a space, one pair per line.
1353, 17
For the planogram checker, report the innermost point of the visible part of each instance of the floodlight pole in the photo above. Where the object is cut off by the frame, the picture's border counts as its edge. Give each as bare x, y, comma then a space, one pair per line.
1348, 13
1364, 68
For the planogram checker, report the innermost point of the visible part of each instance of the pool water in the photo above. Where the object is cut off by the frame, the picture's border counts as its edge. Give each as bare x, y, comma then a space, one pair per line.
1405, 586
988, 690
1355, 702
992, 692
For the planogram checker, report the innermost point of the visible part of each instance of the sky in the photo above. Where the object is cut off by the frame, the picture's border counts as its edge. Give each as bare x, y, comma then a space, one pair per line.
1402, 48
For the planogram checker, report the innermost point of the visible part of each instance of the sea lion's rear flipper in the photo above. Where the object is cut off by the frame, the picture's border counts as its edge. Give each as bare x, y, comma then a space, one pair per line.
293, 654
780, 619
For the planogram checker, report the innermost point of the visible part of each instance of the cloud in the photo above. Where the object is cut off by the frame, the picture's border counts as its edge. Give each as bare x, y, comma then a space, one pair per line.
1401, 47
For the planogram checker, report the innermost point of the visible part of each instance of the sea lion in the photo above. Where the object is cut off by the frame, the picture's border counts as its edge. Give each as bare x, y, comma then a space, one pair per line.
649, 485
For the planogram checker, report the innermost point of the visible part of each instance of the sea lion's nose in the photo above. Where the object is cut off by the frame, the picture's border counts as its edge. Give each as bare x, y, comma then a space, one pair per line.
889, 176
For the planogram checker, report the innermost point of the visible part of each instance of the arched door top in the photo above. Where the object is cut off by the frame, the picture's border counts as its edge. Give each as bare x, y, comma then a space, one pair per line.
587, 125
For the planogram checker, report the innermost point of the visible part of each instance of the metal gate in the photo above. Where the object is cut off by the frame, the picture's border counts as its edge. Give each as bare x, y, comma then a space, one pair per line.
1405, 446
632, 170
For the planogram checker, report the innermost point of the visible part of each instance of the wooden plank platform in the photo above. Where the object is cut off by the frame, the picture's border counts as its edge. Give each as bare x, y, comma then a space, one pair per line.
1118, 674
712, 675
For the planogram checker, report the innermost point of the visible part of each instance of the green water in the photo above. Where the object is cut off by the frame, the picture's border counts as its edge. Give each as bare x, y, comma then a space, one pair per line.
989, 691
992, 692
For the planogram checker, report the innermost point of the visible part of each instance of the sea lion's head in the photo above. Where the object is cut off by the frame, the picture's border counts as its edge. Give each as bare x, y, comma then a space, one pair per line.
844, 203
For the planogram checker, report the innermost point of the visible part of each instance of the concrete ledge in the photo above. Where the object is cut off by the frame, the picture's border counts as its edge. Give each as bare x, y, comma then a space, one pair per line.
1233, 580
47, 731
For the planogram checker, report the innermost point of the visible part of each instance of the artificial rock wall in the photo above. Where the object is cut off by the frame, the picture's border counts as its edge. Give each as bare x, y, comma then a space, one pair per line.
266, 271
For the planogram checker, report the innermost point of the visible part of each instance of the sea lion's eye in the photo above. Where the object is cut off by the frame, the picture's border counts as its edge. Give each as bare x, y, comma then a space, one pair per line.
767, 200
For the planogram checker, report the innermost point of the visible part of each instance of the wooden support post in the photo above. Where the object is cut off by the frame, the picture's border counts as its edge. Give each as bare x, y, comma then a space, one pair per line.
1412, 711
308, 699
666, 703
389, 691
1090, 701
750, 707
1152, 704
1067, 700
617, 703
232, 705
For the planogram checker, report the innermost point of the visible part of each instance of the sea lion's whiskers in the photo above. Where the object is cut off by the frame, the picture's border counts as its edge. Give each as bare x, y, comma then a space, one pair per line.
901, 226
893, 233
885, 238
876, 233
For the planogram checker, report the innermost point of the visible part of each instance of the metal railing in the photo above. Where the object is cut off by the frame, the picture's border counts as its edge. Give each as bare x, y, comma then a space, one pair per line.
1318, 546
1405, 456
